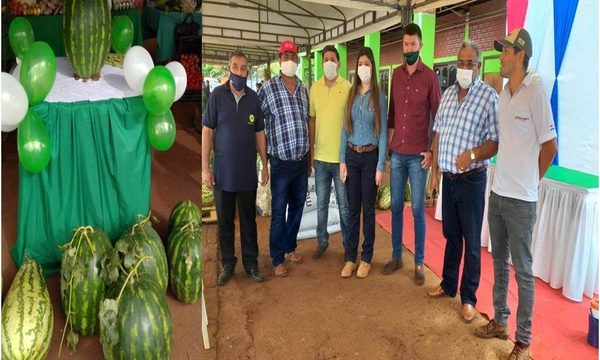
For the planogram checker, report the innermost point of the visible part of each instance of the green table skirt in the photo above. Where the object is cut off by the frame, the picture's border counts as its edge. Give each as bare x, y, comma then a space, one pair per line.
99, 174
163, 23
48, 28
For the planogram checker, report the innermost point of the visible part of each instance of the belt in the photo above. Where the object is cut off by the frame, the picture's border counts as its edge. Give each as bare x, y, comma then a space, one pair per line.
362, 149
453, 176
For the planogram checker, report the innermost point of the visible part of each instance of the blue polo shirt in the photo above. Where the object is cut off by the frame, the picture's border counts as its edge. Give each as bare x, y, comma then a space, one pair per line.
235, 124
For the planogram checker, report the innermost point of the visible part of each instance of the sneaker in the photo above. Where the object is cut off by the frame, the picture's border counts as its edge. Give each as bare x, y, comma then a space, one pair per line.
492, 330
419, 275
349, 267
392, 266
519, 352
293, 257
363, 270
319, 251
280, 270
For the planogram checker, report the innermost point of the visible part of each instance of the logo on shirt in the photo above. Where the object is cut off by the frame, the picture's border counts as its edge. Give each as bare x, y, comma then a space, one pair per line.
251, 119
519, 118
551, 127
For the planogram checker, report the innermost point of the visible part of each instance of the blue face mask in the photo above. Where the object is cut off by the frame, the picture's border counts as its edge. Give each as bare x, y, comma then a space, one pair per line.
238, 82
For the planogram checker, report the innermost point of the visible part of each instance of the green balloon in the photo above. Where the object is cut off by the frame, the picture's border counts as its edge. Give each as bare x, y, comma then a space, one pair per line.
20, 36
159, 90
33, 142
122, 33
38, 72
161, 130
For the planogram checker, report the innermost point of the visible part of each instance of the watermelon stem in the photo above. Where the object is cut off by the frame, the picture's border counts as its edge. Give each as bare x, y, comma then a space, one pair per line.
141, 223
134, 270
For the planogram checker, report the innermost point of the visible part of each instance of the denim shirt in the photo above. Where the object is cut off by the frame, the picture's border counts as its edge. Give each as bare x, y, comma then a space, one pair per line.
363, 124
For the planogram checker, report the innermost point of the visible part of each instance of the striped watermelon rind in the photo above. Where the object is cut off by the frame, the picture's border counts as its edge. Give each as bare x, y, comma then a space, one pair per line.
81, 285
185, 261
86, 34
27, 317
142, 240
135, 321
183, 212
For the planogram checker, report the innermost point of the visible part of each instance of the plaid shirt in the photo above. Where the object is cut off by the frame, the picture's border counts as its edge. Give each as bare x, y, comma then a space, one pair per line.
463, 126
286, 119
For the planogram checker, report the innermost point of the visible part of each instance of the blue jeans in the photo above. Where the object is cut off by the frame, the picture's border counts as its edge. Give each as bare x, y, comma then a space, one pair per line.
289, 183
511, 227
463, 200
408, 167
324, 173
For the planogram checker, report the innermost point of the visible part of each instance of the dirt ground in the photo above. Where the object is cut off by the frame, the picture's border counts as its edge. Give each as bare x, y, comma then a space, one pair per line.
176, 175
315, 314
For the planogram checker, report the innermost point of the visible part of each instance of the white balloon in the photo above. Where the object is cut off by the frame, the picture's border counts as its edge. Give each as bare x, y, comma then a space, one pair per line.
16, 72
136, 66
180, 77
14, 102
9, 128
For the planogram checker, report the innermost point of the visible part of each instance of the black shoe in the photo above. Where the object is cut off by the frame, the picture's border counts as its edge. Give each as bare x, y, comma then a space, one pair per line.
392, 266
226, 274
319, 251
255, 275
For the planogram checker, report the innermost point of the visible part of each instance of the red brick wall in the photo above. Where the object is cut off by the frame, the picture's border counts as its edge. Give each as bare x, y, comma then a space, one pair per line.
447, 42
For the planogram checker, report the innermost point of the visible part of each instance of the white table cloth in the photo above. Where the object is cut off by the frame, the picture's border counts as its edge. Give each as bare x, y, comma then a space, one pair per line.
111, 85
565, 236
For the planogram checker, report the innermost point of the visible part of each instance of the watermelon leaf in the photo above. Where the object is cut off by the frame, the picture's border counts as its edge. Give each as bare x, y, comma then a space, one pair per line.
72, 340
109, 335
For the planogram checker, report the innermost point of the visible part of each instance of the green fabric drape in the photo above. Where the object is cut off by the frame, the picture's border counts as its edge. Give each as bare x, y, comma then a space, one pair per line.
99, 175
164, 24
48, 28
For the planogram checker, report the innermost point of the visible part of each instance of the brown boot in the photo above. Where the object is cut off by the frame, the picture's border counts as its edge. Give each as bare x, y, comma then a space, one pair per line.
349, 267
319, 251
492, 330
293, 257
280, 270
519, 352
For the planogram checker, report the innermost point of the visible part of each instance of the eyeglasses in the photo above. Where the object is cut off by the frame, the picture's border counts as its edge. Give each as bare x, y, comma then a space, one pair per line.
466, 64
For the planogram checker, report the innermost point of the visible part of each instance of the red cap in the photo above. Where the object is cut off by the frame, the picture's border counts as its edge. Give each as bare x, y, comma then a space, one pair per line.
288, 45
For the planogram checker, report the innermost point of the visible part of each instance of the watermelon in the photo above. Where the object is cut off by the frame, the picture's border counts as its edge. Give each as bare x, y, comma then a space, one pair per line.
142, 240
81, 286
27, 318
183, 212
185, 261
86, 34
208, 198
384, 197
135, 321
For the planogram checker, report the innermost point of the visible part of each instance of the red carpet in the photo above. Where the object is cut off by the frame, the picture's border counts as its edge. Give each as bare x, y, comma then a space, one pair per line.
560, 326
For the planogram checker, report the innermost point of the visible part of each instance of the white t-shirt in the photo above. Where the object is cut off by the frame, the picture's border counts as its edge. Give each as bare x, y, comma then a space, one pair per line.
525, 121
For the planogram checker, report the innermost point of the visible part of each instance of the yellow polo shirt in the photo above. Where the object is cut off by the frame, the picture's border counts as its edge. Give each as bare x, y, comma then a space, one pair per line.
328, 106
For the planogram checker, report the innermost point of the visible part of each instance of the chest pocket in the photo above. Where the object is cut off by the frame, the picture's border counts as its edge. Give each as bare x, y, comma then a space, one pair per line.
523, 124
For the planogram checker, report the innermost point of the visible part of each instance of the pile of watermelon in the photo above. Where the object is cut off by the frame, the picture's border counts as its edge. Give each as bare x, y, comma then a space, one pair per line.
384, 197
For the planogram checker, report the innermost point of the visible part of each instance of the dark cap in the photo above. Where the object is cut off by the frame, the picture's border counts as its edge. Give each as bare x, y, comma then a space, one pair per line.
518, 38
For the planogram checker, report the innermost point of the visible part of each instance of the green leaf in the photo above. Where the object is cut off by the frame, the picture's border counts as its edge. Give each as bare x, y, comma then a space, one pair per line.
72, 251
72, 340
108, 316
129, 260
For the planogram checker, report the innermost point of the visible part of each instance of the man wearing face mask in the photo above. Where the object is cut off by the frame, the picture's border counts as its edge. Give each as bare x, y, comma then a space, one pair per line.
233, 120
414, 101
465, 137
284, 103
328, 97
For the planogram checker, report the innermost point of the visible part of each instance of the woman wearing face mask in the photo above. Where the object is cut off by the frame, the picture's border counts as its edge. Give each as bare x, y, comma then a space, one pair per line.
362, 159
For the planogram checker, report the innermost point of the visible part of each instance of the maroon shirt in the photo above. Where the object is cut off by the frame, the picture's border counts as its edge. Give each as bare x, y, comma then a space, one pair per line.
414, 102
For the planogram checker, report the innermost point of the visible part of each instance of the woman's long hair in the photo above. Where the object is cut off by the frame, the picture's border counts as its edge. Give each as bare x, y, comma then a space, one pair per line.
374, 101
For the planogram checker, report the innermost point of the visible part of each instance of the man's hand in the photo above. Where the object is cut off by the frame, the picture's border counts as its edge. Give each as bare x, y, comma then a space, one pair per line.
463, 161
264, 175
426, 163
343, 172
207, 178
378, 177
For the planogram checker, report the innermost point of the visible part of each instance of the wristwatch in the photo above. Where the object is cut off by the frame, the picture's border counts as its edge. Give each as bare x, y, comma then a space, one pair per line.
472, 155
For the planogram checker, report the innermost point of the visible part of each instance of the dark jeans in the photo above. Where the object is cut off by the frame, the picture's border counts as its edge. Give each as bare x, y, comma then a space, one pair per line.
463, 200
289, 183
225, 204
361, 191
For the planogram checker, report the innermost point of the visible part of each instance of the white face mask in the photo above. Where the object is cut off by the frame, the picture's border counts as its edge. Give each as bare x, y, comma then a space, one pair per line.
364, 73
464, 77
330, 70
288, 68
